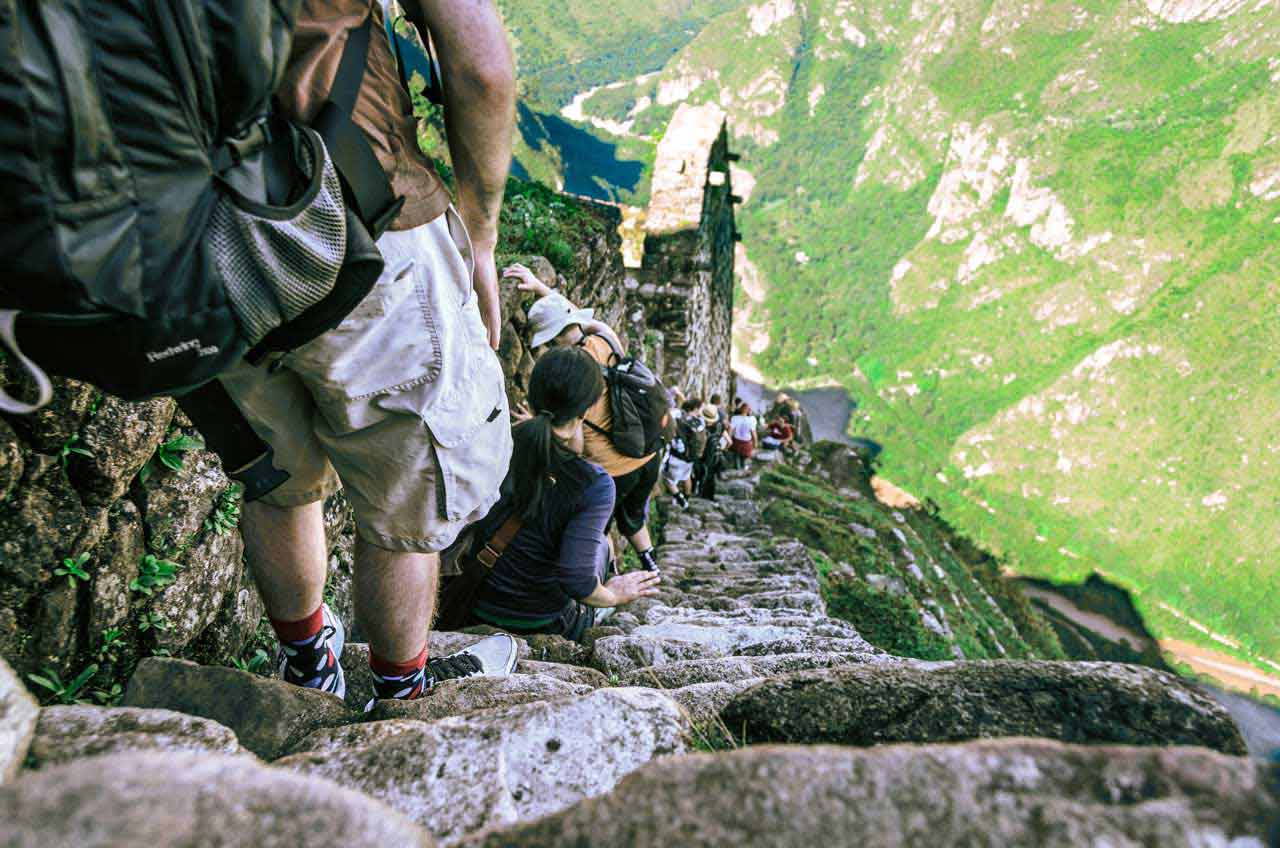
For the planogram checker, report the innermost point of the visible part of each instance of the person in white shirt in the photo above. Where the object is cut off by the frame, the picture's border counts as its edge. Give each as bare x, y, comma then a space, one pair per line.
742, 430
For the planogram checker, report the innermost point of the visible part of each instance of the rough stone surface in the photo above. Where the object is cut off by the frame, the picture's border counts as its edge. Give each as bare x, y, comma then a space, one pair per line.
471, 694
460, 775
678, 674
120, 438
73, 732
618, 655
568, 673
170, 800
211, 570
267, 716
933, 702
18, 714
1005, 792
703, 702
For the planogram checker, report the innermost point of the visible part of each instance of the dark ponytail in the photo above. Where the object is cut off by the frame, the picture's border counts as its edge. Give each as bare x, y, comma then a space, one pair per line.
566, 382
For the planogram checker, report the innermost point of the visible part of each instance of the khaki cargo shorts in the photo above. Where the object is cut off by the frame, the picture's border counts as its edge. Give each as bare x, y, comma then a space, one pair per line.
403, 405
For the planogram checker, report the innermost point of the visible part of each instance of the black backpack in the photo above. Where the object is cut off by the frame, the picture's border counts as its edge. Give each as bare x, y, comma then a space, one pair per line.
637, 403
157, 222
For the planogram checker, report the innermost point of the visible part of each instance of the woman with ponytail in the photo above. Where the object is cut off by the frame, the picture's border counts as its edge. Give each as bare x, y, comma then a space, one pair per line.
551, 576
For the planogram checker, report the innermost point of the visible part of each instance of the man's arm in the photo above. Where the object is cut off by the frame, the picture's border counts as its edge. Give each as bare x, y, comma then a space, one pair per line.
478, 77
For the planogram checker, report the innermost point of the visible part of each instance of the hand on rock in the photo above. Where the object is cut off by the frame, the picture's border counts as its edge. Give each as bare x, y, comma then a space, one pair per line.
634, 585
528, 281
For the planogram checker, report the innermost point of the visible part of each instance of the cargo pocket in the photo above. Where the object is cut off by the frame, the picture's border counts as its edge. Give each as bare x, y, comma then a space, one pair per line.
389, 344
471, 434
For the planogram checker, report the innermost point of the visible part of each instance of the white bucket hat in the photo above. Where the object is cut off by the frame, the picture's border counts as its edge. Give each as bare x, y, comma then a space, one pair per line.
549, 316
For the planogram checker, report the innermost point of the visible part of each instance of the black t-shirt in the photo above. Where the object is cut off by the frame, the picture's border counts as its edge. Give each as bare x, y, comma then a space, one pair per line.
560, 555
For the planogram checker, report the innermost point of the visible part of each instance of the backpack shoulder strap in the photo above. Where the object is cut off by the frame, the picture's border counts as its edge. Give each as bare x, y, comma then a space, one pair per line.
497, 546
370, 190
355, 56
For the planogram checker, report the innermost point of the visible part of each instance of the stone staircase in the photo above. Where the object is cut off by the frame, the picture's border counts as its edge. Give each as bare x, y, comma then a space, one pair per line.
652, 732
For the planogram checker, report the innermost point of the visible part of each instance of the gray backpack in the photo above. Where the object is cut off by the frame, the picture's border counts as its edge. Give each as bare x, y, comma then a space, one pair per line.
158, 222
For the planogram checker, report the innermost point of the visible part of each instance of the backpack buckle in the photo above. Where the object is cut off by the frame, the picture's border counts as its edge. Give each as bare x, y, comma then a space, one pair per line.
237, 148
488, 557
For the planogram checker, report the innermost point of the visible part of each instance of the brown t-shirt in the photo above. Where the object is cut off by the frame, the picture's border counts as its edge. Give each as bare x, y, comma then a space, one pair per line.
382, 109
596, 445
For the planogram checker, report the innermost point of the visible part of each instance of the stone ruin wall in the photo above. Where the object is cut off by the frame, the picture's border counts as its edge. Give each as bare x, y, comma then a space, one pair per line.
685, 282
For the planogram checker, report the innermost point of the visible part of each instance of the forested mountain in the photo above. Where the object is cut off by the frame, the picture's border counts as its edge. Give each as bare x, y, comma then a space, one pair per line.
1038, 241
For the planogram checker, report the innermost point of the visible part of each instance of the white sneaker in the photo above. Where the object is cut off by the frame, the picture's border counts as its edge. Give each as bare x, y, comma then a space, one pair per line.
493, 656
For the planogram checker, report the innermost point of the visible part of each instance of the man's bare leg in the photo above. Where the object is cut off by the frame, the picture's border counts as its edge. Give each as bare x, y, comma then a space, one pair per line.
395, 595
285, 547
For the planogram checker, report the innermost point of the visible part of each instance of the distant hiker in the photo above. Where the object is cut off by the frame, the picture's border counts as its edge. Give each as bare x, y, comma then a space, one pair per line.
548, 552
779, 436
402, 406
718, 403
742, 430
555, 322
685, 449
706, 468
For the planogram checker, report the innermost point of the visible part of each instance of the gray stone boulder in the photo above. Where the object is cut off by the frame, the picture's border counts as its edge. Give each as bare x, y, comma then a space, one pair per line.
618, 655
996, 793
120, 438
75, 732
729, 632
472, 694
460, 775
18, 714
939, 702
568, 673
267, 716
160, 800
702, 702
679, 674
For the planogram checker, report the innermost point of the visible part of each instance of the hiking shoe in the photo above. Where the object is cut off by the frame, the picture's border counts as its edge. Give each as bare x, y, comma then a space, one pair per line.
682, 500
648, 560
494, 656
316, 664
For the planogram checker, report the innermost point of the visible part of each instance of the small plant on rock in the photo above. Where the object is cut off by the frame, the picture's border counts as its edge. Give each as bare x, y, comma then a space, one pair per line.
72, 568
61, 692
71, 447
226, 512
109, 697
153, 573
112, 641
169, 454
152, 621
258, 663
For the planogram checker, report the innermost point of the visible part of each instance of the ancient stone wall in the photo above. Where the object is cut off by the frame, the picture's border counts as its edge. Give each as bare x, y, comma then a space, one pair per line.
685, 282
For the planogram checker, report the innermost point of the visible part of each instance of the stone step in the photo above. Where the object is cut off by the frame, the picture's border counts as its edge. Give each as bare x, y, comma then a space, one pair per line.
689, 672
183, 799
1001, 792
461, 775
953, 701
68, 733
268, 716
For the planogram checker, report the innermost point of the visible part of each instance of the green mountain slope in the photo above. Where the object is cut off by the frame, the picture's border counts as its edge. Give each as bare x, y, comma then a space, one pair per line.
1039, 243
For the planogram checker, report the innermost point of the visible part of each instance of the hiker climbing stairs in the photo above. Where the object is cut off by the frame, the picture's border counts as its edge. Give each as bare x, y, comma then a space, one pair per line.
650, 732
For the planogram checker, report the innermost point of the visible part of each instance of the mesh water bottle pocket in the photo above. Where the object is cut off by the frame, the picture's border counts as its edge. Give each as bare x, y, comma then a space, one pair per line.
277, 261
